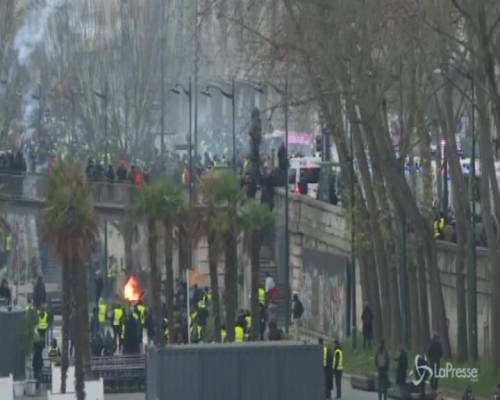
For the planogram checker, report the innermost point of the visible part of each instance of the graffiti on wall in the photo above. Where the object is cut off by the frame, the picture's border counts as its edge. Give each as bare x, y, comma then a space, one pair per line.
324, 293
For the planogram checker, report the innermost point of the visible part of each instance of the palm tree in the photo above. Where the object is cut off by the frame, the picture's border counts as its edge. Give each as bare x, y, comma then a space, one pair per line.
172, 208
209, 225
228, 193
149, 203
256, 218
72, 230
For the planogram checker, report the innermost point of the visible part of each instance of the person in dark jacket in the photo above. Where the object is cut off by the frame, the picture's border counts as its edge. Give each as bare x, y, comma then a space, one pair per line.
97, 345
5, 292
274, 332
434, 354
95, 325
121, 173
37, 362
297, 311
98, 284
402, 373
39, 294
327, 368
367, 319
109, 345
149, 324
131, 336
382, 366
110, 174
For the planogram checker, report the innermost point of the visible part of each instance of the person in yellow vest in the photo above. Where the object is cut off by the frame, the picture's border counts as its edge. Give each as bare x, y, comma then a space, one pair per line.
103, 313
262, 296
327, 368
141, 310
248, 320
43, 323
239, 334
117, 325
439, 224
338, 367
223, 334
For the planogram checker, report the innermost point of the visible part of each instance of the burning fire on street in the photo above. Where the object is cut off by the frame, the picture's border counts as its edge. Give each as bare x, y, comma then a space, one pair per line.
132, 291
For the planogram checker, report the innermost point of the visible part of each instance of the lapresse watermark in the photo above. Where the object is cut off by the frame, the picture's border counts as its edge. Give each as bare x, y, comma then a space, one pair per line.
424, 372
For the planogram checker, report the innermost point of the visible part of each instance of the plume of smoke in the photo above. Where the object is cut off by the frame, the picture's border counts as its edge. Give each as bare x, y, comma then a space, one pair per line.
34, 29
32, 32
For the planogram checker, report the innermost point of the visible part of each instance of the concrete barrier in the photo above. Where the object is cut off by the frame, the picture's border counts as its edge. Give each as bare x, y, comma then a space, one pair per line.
363, 382
56, 380
94, 390
7, 388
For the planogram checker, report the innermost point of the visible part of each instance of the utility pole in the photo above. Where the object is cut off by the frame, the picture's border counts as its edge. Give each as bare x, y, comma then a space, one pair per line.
233, 103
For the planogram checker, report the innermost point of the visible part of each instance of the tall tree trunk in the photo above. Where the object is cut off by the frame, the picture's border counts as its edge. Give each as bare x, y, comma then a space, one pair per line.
487, 192
77, 320
184, 242
128, 237
155, 283
255, 243
462, 216
66, 304
415, 327
169, 272
381, 263
231, 278
423, 296
83, 300
214, 284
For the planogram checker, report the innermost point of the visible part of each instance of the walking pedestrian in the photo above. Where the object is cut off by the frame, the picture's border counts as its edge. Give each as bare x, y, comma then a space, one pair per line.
402, 373
37, 362
434, 354
367, 319
382, 365
338, 367
468, 395
327, 368
95, 326
5, 292
39, 294
43, 324
297, 311
98, 284
496, 395
109, 345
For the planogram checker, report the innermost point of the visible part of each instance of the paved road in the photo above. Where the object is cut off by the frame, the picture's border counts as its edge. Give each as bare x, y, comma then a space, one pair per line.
347, 394
125, 396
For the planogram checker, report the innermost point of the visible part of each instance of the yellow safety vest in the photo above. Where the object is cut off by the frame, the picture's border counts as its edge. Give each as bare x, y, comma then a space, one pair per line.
238, 334
262, 296
43, 321
248, 320
8, 243
438, 227
223, 335
117, 316
166, 334
102, 313
142, 313
325, 356
339, 355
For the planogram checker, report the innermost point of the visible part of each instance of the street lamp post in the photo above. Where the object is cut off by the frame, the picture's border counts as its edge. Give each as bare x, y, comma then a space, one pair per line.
189, 93
229, 95
104, 98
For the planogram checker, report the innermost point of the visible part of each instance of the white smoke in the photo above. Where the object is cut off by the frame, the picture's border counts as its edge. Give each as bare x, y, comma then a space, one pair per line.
34, 28
30, 35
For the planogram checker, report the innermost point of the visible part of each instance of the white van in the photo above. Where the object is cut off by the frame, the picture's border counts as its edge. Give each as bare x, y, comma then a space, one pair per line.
306, 170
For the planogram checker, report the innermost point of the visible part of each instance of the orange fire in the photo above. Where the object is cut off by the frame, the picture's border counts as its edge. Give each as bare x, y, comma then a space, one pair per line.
132, 291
